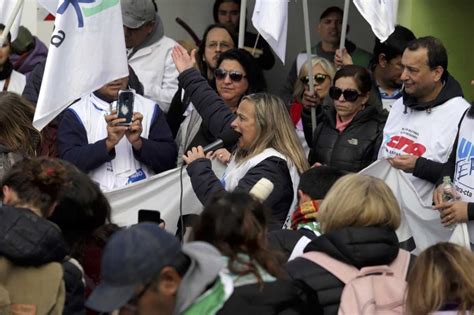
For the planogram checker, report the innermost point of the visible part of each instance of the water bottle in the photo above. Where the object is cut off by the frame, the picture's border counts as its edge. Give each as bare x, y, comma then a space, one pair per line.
449, 195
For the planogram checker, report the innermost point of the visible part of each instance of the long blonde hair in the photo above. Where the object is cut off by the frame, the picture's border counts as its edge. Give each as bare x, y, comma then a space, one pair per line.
16, 129
359, 200
442, 274
274, 130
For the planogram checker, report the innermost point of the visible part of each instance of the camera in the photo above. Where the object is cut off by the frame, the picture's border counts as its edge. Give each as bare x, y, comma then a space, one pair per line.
125, 102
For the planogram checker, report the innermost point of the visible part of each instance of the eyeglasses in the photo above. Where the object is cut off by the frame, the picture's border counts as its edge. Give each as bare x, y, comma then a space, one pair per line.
350, 95
222, 45
319, 78
235, 76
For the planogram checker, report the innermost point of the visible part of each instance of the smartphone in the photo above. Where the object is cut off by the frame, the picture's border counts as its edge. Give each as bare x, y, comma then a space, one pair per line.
146, 215
125, 106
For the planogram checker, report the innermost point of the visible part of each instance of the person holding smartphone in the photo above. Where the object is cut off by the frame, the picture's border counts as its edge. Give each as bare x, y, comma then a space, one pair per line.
117, 143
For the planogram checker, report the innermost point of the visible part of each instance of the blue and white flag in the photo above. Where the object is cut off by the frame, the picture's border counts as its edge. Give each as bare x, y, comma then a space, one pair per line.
381, 15
270, 19
87, 50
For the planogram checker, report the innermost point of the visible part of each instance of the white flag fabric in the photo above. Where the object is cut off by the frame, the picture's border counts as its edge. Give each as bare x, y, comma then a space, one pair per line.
270, 19
421, 225
381, 15
87, 50
6, 8
160, 192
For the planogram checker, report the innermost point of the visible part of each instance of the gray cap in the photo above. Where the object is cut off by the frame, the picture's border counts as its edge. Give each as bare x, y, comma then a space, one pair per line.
135, 13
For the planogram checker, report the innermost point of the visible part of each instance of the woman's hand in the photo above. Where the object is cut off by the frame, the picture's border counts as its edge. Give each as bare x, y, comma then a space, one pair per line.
182, 59
310, 100
222, 155
194, 154
342, 58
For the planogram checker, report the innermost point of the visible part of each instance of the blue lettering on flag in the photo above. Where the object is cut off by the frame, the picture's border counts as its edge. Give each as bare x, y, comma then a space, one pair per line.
75, 3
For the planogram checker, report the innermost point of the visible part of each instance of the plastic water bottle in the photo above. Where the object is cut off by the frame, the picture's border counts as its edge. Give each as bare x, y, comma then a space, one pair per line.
449, 195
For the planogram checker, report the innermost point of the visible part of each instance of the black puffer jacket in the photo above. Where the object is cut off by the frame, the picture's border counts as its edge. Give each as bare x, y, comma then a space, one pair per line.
29, 240
357, 246
354, 148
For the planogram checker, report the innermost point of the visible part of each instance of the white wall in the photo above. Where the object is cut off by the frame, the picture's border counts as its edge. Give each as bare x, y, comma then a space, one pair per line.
198, 14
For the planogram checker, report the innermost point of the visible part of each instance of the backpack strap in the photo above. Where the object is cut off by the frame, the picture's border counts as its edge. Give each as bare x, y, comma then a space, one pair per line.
340, 270
400, 265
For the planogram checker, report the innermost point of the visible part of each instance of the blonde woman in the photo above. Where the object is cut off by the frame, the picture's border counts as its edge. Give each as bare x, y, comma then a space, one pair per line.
358, 219
323, 73
442, 281
267, 148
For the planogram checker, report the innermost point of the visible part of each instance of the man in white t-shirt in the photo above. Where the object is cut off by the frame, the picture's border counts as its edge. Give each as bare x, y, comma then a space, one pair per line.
422, 125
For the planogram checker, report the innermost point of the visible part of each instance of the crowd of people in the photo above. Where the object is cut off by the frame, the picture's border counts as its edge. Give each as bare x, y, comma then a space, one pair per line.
289, 228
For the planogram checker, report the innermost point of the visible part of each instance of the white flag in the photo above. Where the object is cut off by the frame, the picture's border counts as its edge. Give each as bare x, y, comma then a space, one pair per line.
87, 50
6, 9
421, 225
381, 15
270, 19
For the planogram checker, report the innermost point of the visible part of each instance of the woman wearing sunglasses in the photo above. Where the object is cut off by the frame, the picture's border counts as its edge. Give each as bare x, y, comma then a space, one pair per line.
349, 134
267, 148
184, 121
323, 71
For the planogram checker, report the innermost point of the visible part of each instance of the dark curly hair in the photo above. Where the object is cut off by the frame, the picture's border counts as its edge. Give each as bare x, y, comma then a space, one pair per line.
235, 223
38, 182
254, 73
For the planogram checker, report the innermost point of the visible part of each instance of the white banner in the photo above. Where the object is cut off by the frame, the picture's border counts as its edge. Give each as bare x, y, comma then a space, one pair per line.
381, 15
160, 192
421, 225
270, 19
87, 50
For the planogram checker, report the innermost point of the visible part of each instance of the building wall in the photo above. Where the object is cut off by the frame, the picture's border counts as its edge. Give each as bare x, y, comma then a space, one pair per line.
452, 22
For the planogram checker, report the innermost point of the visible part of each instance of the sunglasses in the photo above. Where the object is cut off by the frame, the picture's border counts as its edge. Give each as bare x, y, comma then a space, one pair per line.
319, 78
350, 95
235, 76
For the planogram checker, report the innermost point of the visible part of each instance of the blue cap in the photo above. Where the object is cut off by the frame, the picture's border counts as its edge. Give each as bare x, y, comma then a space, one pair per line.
132, 256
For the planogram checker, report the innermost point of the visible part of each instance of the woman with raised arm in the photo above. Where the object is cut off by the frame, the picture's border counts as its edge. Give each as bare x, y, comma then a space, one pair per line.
267, 147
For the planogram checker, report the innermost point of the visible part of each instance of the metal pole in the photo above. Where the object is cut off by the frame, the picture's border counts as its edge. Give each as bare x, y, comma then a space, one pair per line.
309, 64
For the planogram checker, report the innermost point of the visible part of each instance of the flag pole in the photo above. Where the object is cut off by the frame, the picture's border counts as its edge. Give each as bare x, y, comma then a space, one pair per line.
344, 25
309, 64
10, 21
243, 12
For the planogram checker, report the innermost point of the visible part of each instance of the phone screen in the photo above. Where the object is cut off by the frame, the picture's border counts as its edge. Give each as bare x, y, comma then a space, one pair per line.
125, 106
145, 215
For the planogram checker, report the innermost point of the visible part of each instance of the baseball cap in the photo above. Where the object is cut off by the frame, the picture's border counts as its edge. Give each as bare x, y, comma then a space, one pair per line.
135, 13
132, 256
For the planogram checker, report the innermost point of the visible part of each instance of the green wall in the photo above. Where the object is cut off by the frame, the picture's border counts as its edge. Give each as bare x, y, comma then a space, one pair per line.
451, 21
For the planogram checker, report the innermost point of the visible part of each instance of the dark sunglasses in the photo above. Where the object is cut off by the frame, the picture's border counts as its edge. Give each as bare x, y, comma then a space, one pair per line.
235, 76
319, 78
350, 95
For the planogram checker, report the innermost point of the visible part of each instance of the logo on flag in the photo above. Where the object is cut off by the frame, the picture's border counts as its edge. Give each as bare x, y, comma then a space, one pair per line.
87, 51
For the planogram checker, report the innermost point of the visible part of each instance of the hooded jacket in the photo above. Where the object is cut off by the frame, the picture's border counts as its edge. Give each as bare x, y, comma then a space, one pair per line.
356, 246
27, 240
352, 149
425, 168
206, 264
